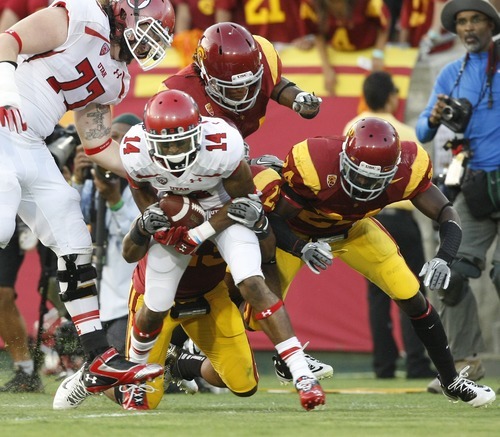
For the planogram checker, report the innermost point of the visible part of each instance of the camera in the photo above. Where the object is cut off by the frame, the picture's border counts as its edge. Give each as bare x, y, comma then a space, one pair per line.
62, 144
456, 114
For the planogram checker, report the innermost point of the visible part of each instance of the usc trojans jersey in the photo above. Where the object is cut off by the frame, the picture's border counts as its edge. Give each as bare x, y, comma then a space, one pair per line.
276, 20
50, 85
268, 183
247, 122
361, 29
220, 154
311, 176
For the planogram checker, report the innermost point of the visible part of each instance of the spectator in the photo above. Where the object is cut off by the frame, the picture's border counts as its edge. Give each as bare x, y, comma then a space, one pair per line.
381, 97
281, 22
348, 26
473, 78
192, 17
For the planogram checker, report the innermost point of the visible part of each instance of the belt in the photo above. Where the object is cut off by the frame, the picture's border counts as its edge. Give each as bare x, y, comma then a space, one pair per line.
332, 239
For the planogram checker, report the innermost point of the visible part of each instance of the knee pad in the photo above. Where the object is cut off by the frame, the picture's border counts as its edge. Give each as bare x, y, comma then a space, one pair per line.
459, 286
76, 276
495, 277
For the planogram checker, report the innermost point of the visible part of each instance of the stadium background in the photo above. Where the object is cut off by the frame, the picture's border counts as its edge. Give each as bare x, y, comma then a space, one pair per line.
330, 309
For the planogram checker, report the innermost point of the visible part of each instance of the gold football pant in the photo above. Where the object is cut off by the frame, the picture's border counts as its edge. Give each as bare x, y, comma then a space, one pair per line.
368, 249
220, 334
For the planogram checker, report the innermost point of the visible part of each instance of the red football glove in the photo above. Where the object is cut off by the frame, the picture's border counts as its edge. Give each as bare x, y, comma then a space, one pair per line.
12, 118
171, 236
186, 245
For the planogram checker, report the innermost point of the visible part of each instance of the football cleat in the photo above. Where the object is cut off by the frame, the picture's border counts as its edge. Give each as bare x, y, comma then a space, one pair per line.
172, 375
310, 392
22, 382
320, 370
468, 391
72, 392
134, 396
475, 372
110, 369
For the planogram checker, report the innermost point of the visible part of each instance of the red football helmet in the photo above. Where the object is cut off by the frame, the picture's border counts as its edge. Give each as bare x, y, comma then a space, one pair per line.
172, 124
147, 27
230, 63
369, 159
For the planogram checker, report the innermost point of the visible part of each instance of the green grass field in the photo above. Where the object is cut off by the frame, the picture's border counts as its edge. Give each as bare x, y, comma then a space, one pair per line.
357, 405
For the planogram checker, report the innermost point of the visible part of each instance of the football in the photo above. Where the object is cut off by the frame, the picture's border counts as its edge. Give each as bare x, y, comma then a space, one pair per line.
182, 210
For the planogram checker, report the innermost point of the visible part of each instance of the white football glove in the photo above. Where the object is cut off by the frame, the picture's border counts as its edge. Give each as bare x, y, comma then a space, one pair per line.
317, 255
247, 211
436, 274
153, 220
270, 161
306, 104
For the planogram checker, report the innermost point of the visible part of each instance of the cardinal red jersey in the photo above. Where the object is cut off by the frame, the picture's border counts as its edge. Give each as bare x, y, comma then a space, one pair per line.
360, 30
268, 182
275, 20
312, 182
416, 16
202, 12
247, 122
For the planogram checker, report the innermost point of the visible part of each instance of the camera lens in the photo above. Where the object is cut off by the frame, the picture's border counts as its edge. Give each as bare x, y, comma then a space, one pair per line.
447, 113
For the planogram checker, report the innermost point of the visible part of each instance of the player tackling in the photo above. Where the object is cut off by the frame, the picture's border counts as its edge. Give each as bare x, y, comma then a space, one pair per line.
176, 150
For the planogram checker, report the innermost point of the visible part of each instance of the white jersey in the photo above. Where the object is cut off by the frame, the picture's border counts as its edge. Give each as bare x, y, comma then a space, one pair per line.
73, 75
222, 149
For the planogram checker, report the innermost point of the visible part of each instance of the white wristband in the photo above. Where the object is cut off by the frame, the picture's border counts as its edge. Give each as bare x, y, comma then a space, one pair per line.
9, 95
202, 232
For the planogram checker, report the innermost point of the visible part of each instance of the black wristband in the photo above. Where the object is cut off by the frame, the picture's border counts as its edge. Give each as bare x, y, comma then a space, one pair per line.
450, 235
289, 84
137, 237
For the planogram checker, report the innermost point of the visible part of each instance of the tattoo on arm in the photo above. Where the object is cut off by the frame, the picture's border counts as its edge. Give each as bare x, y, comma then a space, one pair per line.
96, 122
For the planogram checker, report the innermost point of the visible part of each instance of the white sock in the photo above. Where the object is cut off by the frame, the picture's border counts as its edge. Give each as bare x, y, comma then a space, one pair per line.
292, 354
138, 351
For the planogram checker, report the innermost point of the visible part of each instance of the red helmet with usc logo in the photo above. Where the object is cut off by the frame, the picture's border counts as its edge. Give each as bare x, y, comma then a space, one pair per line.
369, 159
147, 27
172, 125
230, 64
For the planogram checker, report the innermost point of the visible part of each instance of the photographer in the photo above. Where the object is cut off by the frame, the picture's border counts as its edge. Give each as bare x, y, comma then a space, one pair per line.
466, 99
108, 207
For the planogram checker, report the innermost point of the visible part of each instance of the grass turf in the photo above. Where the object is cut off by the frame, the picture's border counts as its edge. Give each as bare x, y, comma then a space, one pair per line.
357, 405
